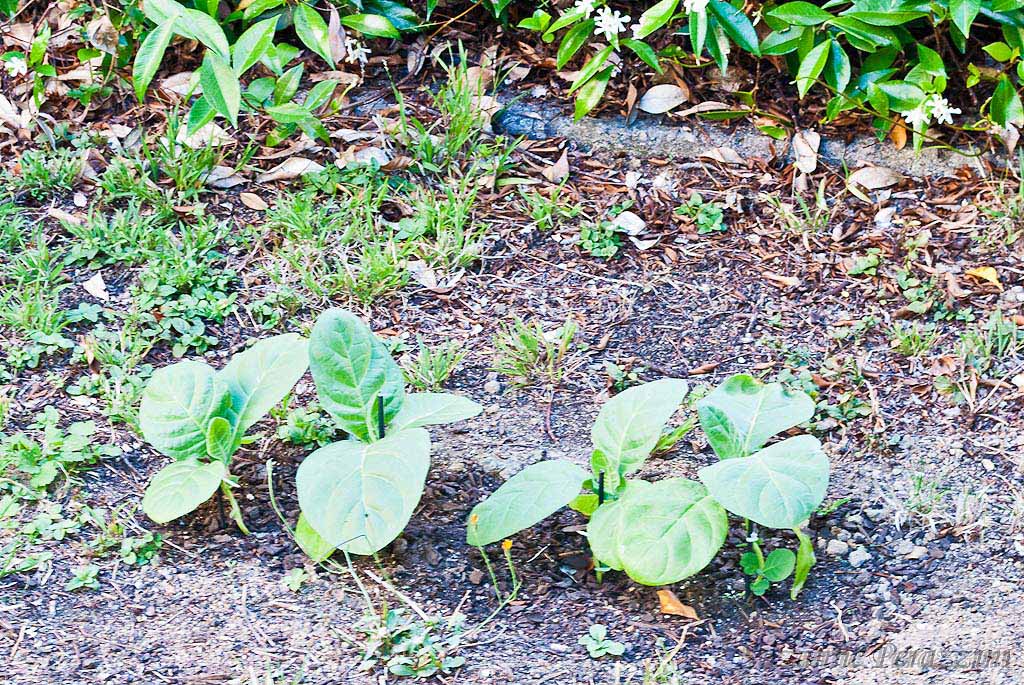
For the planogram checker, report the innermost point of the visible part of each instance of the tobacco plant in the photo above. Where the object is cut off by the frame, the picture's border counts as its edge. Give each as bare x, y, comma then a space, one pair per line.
358, 494
199, 417
663, 532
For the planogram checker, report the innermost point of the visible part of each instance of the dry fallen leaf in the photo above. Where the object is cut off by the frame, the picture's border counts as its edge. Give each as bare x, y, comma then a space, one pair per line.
662, 98
805, 150
97, 288
423, 274
290, 168
629, 223
223, 177
254, 201
874, 177
787, 281
985, 273
708, 106
559, 171
670, 604
725, 155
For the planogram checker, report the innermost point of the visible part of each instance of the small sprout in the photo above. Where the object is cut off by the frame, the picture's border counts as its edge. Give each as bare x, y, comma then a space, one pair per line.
597, 643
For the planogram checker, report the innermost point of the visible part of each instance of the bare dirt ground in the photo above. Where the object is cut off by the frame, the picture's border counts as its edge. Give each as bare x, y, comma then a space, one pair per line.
904, 592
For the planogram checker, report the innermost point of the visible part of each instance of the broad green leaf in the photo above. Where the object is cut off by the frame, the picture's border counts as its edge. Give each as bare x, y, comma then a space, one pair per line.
433, 408
572, 41
202, 27
220, 86
629, 425
352, 368
566, 19
289, 113
310, 542
371, 25
525, 499
161, 11
179, 488
287, 85
199, 115
659, 533
358, 497
778, 565
811, 66
312, 30
800, 14
149, 56
591, 93
319, 95
779, 486
902, 96
252, 45
220, 442
838, 71
783, 42
654, 18
177, 405
644, 52
805, 559
736, 25
698, 25
262, 375
1006, 105
593, 65
258, 7
740, 415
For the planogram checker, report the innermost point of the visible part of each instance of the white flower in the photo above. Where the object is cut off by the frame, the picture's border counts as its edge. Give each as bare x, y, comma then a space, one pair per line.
586, 7
636, 28
610, 22
355, 51
695, 6
918, 117
940, 109
16, 66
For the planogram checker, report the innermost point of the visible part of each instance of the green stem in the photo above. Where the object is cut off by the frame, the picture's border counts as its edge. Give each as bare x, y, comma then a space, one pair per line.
236, 513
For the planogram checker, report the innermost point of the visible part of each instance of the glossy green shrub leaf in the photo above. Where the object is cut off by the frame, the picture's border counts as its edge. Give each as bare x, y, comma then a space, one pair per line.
202, 27
741, 415
591, 68
574, 39
805, 560
591, 93
655, 17
838, 69
287, 85
800, 14
658, 533
433, 408
312, 30
260, 377
629, 425
371, 25
811, 66
736, 25
779, 486
644, 52
252, 45
150, 54
199, 115
220, 86
525, 499
1006, 105
352, 368
177, 405
180, 487
358, 497
258, 7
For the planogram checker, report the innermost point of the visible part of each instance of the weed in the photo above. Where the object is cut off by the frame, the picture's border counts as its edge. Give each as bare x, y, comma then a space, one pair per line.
524, 351
308, 426
187, 167
913, 339
272, 309
546, 208
982, 345
295, 579
86, 577
33, 282
125, 179
417, 648
600, 239
597, 643
708, 217
125, 237
42, 174
432, 366
804, 216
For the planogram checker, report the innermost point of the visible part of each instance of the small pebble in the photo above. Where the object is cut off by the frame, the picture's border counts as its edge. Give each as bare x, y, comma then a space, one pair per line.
858, 557
837, 548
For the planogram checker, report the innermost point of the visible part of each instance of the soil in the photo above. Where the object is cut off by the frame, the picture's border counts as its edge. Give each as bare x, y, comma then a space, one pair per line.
893, 599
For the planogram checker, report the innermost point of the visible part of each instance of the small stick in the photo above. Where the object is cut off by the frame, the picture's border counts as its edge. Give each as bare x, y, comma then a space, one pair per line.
380, 418
600, 488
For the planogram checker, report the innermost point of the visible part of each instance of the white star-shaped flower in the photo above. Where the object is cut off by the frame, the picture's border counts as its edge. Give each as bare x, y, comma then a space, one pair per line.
918, 117
355, 51
16, 66
940, 109
695, 6
586, 7
610, 23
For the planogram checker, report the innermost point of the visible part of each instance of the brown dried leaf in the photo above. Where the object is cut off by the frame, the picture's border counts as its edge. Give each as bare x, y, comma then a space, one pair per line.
670, 604
559, 171
254, 201
289, 169
97, 288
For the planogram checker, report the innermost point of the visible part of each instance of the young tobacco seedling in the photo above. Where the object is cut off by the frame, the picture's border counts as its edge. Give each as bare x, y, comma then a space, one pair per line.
597, 643
199, 416
660, 533
358, 494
